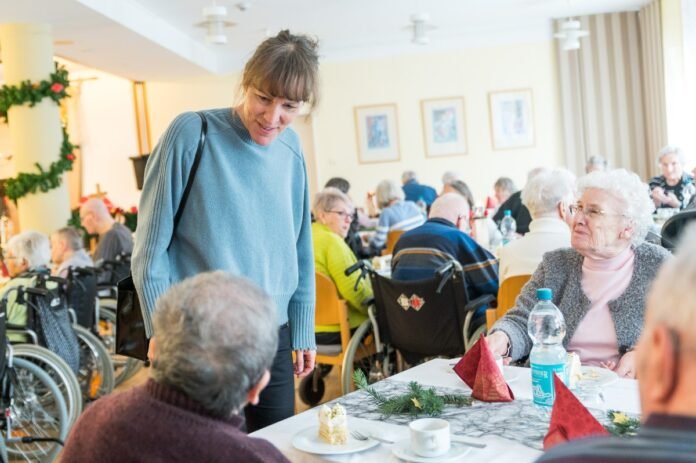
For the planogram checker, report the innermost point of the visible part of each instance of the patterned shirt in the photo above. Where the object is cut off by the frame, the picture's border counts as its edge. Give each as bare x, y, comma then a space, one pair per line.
404, 215
683, 190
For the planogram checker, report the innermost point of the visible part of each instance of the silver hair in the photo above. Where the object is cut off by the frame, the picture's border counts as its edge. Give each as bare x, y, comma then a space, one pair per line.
629, 190
671, 298
327, 199
408, 175
671, 149
449, 177
597, 160
31, 246
387, 191
544, 191
506, 184
216, 335
72, 238
97, 207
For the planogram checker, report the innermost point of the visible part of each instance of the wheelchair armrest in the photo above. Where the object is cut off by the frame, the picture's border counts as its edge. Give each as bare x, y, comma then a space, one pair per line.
37, 291
474, 304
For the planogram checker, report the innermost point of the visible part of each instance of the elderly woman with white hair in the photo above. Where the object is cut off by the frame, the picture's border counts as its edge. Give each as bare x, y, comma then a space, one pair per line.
397, 214
675, 187
548, 196
29, 251
600, 283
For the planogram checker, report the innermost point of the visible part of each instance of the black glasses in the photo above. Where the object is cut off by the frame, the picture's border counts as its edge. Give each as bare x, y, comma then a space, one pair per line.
591, 212
344, 215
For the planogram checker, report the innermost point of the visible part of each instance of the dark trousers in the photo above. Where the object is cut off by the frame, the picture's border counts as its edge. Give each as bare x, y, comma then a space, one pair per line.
277, 401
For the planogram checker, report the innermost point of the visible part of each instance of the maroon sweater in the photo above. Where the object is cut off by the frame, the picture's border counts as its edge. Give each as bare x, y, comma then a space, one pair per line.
155, 423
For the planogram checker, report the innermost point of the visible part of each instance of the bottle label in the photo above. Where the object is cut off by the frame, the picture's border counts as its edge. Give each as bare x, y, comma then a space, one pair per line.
542, 382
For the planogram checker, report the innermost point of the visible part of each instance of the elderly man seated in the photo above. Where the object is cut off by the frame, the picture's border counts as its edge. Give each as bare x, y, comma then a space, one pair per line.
599, 284
445, 231
666, 367
548, 196
215, 339
67, 251
675, 187
114, 238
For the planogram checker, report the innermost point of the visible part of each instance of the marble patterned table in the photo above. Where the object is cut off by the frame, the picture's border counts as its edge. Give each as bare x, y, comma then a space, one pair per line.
513, 431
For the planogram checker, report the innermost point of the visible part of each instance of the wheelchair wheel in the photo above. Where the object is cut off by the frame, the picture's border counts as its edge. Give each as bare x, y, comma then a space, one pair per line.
349, 356
308, 393
123, 367
33, 416
96, 375
59, 371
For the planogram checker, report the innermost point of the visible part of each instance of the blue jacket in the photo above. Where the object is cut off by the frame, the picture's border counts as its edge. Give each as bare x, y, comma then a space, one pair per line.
415, 191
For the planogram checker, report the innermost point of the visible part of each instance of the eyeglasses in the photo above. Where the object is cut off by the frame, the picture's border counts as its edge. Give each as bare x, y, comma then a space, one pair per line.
344, 215
590, 212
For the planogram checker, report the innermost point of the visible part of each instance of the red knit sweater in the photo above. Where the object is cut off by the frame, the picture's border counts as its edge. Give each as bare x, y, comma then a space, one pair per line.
156, 423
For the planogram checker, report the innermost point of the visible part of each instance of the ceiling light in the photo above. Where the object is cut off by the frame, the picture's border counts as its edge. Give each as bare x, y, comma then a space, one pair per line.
215, 24
420, 27
570, 34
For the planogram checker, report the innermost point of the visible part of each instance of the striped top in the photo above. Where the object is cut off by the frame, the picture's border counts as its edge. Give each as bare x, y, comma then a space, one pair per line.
404, 215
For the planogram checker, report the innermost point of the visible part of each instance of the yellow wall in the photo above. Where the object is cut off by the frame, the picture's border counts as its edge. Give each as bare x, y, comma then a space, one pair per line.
406, 81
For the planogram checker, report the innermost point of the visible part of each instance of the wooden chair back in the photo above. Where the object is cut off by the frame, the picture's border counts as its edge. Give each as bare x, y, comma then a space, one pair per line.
507, 294
330, 308
392, 237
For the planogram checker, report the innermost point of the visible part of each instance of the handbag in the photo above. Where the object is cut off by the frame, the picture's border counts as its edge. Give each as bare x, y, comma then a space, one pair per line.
131, 339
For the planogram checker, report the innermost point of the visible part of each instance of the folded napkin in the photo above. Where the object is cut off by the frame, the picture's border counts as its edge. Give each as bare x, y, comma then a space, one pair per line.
478, 370
569, 418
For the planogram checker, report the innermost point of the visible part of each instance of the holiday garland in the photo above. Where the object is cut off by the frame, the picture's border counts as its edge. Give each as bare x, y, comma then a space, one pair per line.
30, 93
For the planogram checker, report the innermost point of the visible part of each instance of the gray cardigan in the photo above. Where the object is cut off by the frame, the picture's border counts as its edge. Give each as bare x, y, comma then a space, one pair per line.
561, 270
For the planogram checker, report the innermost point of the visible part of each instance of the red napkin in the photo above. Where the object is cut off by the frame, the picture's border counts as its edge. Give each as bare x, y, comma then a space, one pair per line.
569, 418
478, 370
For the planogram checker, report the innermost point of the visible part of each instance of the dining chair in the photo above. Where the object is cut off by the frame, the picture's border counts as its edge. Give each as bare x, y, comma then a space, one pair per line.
507, 294
332, 310
392, 237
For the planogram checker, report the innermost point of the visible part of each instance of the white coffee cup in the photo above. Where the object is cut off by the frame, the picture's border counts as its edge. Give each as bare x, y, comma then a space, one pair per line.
430, 437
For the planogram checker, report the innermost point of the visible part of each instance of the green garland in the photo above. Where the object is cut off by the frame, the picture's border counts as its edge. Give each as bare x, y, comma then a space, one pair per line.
30, 93
418, 400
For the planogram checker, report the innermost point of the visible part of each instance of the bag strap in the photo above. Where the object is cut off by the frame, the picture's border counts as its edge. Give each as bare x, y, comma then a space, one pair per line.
192, 175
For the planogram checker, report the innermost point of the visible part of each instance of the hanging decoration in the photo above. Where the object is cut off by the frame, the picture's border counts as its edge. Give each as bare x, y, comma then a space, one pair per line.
30, 93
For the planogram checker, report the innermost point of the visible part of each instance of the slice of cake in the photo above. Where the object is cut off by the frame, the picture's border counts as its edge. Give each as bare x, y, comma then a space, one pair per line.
573, 368
333, 427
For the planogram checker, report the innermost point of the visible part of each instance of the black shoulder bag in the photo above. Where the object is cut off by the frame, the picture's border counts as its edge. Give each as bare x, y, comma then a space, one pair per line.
131, 339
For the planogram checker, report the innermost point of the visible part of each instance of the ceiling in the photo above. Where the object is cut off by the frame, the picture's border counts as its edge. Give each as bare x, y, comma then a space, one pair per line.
157, 39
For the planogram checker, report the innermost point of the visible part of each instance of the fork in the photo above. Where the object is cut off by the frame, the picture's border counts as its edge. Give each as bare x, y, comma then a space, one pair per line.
360, 436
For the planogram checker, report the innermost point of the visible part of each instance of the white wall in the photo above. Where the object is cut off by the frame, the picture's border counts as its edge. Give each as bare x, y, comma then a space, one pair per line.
406, 81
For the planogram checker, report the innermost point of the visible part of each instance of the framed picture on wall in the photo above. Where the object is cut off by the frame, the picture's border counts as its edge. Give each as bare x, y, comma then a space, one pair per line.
443, 126
377, 131
512, 119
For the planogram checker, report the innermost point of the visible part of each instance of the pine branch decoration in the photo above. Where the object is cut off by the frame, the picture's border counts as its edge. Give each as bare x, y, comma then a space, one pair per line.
416, 401
621, 424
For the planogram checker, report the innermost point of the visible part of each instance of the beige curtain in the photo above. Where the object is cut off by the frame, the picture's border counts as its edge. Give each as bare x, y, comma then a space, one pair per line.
604, 95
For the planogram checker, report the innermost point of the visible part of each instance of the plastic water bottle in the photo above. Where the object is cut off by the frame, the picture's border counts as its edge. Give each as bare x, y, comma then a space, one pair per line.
546, 326
508, 227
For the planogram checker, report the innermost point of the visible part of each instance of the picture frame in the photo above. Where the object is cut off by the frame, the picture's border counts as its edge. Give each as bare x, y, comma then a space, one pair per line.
377, 131
512, 119
444, 126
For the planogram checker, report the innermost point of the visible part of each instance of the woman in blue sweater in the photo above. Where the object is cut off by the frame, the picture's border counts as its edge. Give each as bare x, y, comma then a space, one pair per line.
248, 209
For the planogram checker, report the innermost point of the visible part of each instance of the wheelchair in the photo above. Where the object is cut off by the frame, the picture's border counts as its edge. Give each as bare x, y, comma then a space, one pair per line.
36, 419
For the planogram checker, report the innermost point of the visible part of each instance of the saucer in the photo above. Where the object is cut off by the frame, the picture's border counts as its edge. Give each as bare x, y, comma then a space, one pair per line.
402, 450
308, 440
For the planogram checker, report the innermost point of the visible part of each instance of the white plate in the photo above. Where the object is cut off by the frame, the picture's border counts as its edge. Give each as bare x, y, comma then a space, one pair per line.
308, 440
596, 376
402, 449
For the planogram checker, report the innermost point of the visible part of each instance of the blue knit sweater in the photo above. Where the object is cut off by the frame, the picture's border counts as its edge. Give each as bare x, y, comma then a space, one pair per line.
248, 214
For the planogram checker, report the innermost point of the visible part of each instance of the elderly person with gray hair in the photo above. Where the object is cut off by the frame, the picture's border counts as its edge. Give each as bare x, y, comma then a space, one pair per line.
27, 252
67, 250
396, 214
600, 283
334, 214
548, 196
675, 187
215, 339
595, 163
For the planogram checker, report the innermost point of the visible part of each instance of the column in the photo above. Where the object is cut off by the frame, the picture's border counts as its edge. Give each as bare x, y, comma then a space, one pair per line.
35, 132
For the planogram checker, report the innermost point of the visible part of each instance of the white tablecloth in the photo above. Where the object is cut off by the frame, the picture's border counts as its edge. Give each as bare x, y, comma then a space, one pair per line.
621, 395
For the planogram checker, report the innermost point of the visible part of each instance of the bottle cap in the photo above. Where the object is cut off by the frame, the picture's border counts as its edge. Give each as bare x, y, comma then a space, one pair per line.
544, 294
507, 213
